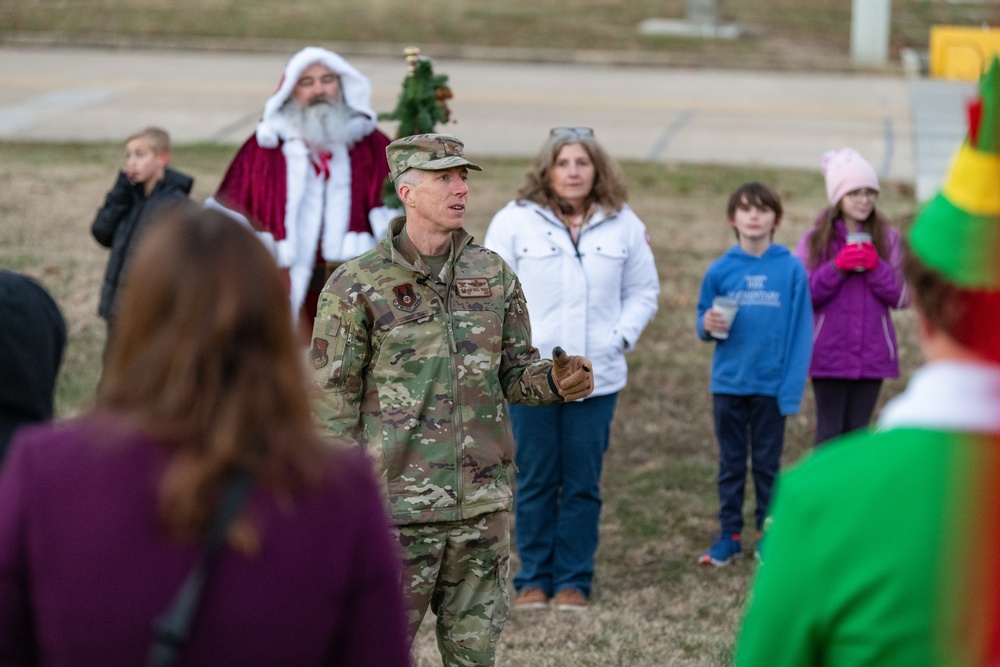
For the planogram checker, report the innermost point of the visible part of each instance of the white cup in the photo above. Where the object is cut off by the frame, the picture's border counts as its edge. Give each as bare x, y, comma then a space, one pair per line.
727, 307
859, 238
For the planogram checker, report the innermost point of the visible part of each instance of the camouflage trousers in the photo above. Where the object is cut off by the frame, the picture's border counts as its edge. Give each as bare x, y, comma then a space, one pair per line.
460, 570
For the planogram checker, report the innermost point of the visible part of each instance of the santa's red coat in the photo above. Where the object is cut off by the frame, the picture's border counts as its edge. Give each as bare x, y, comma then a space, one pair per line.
256, 185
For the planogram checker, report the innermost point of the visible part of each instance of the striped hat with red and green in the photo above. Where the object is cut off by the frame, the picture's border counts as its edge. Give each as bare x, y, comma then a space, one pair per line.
958, 233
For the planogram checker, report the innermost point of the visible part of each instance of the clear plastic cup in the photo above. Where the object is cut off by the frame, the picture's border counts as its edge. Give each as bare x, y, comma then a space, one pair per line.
727, 307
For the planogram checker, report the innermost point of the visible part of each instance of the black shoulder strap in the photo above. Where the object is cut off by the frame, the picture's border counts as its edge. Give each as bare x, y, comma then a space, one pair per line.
172, 629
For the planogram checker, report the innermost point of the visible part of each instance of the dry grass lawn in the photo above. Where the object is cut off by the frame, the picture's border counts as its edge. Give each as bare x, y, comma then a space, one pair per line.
652, 606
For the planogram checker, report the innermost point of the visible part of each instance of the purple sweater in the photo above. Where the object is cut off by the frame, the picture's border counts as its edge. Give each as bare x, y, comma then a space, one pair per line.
853, 336
84, 570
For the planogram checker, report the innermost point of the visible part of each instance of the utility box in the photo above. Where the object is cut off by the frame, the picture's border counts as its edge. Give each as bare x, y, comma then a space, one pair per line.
962, 53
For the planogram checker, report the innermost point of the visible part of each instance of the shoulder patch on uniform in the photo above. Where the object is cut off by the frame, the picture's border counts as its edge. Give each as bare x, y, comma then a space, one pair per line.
472, 287
406, 299
318, 353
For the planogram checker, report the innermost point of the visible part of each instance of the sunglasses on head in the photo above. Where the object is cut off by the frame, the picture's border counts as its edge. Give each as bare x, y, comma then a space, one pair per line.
572, 132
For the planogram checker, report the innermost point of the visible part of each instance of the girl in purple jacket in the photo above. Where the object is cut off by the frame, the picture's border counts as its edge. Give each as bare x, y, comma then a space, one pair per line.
852, 256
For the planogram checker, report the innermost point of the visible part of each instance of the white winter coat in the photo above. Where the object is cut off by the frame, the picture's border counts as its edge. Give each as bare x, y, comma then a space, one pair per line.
593, 298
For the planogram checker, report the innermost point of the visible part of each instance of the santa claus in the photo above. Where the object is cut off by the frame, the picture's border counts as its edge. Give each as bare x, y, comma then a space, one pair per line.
309, 178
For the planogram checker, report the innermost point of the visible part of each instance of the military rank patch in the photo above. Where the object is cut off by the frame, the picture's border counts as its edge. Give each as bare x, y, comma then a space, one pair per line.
318, 353
406, 299
472, 287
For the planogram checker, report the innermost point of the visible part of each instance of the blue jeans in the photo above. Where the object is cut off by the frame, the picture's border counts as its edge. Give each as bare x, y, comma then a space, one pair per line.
745, 425
560, 450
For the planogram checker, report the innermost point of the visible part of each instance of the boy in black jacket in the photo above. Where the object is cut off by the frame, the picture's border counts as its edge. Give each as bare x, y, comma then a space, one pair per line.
144, 187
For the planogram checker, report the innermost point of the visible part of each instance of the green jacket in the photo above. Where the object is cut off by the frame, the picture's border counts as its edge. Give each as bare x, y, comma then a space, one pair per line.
418, 369
882, 548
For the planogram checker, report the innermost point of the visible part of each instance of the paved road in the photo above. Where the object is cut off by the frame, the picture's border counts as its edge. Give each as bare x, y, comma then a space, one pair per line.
671, 115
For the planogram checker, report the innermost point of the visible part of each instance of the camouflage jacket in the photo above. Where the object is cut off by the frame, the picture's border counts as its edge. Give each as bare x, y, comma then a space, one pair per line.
418, 368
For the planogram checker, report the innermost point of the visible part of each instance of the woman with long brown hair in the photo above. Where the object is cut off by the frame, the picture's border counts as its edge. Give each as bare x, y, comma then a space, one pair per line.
589, 277
102, 517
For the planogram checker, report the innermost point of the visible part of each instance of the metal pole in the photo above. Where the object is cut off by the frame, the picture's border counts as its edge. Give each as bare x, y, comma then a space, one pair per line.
705, 12
870, 31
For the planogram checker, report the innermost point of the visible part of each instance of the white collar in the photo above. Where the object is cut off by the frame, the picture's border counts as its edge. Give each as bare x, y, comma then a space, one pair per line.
949, 396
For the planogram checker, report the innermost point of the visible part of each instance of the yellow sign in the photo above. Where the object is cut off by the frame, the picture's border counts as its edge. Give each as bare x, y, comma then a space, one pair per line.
962, 53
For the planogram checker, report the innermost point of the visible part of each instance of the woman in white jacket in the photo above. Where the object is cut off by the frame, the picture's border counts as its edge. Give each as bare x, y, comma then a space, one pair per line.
584, 262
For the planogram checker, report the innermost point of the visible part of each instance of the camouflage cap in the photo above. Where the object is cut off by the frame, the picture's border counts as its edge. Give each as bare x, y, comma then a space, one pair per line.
426, 151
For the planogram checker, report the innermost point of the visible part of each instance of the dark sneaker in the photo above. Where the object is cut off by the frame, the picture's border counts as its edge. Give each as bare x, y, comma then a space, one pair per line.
726, 548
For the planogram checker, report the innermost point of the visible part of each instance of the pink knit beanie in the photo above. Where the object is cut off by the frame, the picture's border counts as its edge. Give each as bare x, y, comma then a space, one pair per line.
845, 170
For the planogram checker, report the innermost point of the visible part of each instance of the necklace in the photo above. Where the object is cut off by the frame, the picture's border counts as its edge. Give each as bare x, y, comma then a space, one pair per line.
574, 223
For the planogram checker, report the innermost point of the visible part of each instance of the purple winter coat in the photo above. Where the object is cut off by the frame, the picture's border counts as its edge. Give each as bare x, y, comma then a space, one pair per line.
85, 568
853, 336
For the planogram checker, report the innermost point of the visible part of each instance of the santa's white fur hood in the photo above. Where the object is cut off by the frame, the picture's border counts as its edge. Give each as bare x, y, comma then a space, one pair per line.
355, 88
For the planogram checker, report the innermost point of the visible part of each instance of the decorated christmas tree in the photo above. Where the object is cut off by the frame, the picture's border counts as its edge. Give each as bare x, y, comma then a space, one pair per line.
421, 106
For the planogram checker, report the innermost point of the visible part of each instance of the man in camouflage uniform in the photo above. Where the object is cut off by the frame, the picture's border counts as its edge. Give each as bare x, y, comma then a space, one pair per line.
418, 345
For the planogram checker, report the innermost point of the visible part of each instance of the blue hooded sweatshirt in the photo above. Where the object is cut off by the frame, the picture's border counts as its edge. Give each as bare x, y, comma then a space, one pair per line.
770, 341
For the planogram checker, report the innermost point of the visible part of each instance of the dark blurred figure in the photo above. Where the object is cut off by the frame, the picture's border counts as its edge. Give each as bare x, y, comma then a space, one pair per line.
102, 517
32, 338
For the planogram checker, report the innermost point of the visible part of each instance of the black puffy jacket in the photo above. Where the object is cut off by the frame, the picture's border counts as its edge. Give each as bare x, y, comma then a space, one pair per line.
119, 223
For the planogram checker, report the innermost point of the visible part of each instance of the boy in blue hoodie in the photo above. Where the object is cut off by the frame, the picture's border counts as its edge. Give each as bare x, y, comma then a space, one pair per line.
761, 360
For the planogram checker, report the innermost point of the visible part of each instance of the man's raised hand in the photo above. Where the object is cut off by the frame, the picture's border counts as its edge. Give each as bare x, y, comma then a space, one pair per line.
572, 375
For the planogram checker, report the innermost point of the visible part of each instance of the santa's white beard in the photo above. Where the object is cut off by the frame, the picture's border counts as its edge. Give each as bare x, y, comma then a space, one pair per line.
325, 124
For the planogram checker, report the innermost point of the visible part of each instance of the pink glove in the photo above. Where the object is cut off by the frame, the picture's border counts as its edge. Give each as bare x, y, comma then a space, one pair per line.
869, 256
850, 258
857, 257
